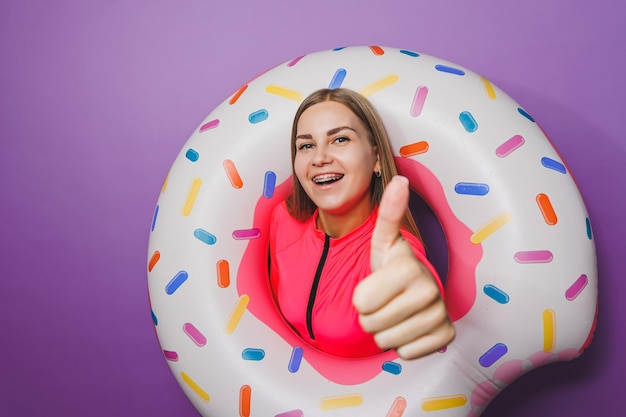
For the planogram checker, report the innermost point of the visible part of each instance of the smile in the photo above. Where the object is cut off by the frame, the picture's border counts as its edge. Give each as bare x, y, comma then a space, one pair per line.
327, 178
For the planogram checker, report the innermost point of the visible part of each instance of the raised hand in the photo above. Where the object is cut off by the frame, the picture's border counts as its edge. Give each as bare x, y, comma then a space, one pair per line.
400, 302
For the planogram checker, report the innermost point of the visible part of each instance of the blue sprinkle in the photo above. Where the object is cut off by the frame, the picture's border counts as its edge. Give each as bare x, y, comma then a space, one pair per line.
154, 218
392, 367
496, 293
253, 354
340, 48
552, 164
450, 70
409, 53
471, 188
468, 121
269, 184
258, 116
176, 282
492, 355
526, 115
589, 234
296, 359
192, 155
154, 318
338, 78
204, 236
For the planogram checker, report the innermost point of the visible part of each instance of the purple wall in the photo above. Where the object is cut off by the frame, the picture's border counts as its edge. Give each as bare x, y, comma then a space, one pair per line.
97, 98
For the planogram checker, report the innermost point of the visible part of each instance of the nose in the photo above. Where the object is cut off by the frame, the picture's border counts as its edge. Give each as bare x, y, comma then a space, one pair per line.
321, 155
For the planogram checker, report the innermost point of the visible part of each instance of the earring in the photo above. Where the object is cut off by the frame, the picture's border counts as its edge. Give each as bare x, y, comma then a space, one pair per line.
378, 174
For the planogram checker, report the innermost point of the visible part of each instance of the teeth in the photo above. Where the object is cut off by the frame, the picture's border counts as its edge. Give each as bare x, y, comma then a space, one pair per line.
326, 178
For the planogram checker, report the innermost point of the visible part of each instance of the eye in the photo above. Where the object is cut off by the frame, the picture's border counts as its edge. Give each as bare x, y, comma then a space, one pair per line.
304, 146
341, 139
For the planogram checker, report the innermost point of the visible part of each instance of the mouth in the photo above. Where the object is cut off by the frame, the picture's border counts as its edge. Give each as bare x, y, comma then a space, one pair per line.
326, 179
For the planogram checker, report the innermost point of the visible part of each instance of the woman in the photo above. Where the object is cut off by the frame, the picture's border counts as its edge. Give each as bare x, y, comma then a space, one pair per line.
347, 268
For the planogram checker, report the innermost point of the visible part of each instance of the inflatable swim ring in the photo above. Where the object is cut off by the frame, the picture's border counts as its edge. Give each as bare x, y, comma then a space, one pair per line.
521, 284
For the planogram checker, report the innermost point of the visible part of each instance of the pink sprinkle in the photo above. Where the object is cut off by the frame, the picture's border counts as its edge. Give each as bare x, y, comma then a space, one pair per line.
509, 146
246, 234
292, 413
210, 125
295, 61
419, 100
171, 355
194, 334
533, 256
577, 287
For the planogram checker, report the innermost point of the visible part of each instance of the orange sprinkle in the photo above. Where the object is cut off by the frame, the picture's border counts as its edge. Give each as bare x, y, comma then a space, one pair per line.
546, 209
153, 260
238, 94
377, 50
413, 149
244, 400
233, 174
223, 273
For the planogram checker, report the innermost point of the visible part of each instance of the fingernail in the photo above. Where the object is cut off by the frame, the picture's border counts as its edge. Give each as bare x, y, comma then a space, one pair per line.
400, 178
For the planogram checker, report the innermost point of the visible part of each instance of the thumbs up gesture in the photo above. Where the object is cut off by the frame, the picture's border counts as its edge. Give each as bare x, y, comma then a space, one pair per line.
400, 302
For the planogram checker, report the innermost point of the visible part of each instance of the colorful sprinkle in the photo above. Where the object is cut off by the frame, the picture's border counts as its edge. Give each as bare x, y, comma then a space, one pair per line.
526, 115
194, 189
245, 394
339, 48
576, 288
409, 53
269, 183
295, 61
282, 92
493, 354
509, 146
204, 236
194, 334
337, 79
554, 165
292, 413
469, 123
443, 403
164, 183
195, 387
549, 330
341, 401
418, 100
237, 95
175, 283
244, 234
449, 70
236, 314
155, 320
192, 155
252, 354
153, 260
490, 228
588, 226
379, 85
377, 50
154, 218
392, 367
471, 188
210, 125
258, 116
413, 149
397, 408
547, 211
232, 174
533, 256
496, 294
170, 355
295, 360
491, 92
223, 273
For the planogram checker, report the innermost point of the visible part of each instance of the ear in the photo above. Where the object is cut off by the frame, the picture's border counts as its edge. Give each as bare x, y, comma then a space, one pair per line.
377, 164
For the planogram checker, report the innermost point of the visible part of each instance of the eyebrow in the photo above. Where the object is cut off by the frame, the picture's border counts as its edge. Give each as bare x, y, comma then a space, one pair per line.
329, 133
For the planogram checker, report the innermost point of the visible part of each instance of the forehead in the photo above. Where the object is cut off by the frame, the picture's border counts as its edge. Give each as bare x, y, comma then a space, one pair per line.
328, 115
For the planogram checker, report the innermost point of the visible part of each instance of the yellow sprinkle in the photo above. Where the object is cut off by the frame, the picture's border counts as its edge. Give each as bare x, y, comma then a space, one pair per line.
284, 92
237, 314
191, 196
341, 401
490, 228
443, 403
378, 85
165, 183
491, 92
192, 384
549, 330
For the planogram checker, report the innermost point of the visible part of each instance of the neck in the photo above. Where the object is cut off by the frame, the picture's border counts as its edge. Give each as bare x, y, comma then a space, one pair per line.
338, 225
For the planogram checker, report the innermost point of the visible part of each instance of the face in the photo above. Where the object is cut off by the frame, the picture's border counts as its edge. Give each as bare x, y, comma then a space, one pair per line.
335, 160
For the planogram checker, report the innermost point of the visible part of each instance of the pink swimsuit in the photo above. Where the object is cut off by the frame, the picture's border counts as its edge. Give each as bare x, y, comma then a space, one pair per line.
313, 277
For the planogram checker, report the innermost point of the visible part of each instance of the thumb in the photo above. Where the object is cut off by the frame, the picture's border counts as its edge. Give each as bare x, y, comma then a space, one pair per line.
393, 205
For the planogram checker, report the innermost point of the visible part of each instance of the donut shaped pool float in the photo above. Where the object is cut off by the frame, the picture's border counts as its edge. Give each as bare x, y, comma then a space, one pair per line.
521, 283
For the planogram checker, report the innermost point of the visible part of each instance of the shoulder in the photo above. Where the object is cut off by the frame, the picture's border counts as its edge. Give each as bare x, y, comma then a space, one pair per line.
284, 229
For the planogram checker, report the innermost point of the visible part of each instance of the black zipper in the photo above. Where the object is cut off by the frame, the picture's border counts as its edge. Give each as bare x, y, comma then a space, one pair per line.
316, 283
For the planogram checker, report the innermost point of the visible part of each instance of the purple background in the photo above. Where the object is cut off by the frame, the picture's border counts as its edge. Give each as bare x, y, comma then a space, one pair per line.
97, 98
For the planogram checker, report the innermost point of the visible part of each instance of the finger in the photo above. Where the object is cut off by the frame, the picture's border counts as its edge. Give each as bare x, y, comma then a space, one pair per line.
428, 344
393, 206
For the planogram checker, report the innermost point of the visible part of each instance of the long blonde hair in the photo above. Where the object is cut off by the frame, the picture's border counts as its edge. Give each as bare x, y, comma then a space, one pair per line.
300, 206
